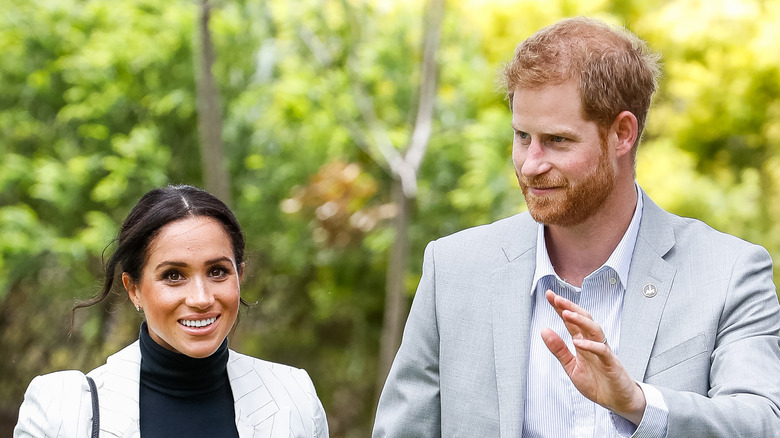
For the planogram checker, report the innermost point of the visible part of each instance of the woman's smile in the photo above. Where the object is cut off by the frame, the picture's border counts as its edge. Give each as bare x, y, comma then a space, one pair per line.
189, 287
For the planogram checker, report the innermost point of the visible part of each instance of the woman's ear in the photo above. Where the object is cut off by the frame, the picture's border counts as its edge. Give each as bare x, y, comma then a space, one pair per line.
132, 289
241, 271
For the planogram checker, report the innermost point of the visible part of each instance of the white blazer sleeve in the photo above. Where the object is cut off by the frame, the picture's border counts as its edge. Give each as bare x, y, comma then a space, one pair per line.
56, 405
319, 420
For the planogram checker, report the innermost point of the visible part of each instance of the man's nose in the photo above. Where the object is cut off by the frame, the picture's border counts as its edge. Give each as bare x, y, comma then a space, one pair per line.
535, 162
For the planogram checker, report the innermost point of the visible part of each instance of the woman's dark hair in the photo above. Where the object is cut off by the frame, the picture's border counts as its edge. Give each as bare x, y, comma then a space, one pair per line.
156, 209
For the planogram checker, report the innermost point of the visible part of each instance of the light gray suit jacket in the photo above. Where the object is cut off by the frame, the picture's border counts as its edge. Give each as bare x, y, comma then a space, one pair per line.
271, 400
708, 340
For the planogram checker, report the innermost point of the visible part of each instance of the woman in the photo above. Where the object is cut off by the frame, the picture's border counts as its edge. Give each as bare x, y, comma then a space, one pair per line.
180, 253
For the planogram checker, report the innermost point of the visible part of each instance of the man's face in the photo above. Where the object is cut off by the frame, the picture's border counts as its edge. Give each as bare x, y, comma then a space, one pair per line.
563, 165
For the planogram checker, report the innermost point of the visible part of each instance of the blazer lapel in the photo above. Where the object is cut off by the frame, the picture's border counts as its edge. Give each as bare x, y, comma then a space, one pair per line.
118, 389
257, 413
511, 311
650, 280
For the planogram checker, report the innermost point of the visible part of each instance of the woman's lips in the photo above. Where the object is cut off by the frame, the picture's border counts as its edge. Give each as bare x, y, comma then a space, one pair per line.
199, 325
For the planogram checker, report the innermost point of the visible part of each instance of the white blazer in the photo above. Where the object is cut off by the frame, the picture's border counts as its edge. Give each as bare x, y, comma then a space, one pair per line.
271, 400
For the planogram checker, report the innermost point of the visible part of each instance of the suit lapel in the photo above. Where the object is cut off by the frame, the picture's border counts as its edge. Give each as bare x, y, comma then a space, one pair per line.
511, 311
650, 280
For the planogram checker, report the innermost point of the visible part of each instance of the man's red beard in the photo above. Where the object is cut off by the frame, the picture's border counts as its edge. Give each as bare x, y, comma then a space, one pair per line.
571, 203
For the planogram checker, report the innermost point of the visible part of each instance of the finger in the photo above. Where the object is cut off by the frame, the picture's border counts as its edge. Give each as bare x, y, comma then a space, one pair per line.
559, 349
560, 304
551, 298
574, 330
599, 349
587, 327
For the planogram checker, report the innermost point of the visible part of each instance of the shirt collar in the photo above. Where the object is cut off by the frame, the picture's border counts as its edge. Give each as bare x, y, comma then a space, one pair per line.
619, 260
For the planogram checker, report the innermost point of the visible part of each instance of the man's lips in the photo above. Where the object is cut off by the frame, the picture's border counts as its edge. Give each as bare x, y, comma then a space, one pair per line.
538, 191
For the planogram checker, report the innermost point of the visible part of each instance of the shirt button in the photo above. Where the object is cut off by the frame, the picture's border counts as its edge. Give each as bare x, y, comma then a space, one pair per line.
612, 281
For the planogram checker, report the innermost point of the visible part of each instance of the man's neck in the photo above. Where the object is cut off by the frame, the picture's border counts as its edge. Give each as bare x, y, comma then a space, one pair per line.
577, 251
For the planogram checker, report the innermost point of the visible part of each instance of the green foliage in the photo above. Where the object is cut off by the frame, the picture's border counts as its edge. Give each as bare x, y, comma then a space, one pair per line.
98, 106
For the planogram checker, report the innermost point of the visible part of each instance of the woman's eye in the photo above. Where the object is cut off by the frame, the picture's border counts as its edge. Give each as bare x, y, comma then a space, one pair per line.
218, 272
173, 276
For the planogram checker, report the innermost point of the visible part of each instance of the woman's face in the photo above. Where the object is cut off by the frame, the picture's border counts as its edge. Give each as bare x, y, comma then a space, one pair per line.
189, 287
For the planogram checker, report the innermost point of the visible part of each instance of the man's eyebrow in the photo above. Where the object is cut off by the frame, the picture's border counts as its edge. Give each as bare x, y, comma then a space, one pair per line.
568, 133
554, 132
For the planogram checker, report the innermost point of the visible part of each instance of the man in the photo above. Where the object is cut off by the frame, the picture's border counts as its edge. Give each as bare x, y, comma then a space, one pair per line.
597, 313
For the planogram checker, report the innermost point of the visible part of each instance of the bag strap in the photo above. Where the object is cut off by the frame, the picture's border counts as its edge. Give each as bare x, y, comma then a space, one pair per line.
95, 408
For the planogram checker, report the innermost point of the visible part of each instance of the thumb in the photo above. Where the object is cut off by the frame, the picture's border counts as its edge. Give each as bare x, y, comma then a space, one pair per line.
559, 349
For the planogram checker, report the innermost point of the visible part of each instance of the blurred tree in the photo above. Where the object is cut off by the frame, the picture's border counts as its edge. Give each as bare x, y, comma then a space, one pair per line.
404, 167
717, 119
215, 177
95, 103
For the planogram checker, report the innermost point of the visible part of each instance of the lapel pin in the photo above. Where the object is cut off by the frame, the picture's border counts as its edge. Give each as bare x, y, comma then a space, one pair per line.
650, 290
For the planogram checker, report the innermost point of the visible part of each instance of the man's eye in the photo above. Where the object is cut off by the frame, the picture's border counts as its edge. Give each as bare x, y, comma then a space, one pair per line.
522, 135
558, 139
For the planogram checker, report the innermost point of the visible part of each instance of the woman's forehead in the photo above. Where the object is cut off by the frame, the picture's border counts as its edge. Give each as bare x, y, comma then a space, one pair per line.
192, 238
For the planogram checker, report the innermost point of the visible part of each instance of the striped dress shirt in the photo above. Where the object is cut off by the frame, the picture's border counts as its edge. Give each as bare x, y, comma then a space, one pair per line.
553, 406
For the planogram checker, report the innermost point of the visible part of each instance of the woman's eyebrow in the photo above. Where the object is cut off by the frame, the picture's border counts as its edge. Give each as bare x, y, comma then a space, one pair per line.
218, 259
171, 263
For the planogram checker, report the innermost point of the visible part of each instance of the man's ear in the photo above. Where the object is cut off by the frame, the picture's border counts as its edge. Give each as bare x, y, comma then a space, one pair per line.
626, 130
132, 289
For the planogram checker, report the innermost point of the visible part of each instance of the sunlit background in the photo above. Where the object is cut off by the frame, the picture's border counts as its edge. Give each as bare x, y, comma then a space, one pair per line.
317, 123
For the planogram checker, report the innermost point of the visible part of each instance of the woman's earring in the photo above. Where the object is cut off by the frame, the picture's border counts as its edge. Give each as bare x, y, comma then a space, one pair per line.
137, 308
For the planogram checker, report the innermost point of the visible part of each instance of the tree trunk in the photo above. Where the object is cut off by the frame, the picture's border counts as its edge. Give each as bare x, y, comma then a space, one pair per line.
395, 291
215, 176
403, 191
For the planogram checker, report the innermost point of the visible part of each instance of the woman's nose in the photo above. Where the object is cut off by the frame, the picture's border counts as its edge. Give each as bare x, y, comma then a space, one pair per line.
199, 296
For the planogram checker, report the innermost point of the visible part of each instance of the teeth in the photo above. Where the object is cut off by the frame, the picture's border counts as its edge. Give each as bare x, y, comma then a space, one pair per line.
198, 322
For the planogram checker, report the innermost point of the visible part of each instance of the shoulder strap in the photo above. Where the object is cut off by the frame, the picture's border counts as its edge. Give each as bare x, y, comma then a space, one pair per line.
95, 408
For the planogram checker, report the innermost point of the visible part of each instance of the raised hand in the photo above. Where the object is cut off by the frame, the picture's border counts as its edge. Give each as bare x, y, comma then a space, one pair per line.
595, 370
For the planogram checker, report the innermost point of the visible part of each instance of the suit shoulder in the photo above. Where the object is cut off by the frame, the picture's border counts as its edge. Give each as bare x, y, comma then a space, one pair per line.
246, 360
60, 388
59, 381
492, 234
285, 374
486, 245
53, 404
706, 238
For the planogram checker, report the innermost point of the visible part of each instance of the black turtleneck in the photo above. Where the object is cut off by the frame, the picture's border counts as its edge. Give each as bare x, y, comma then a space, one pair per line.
184, 396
